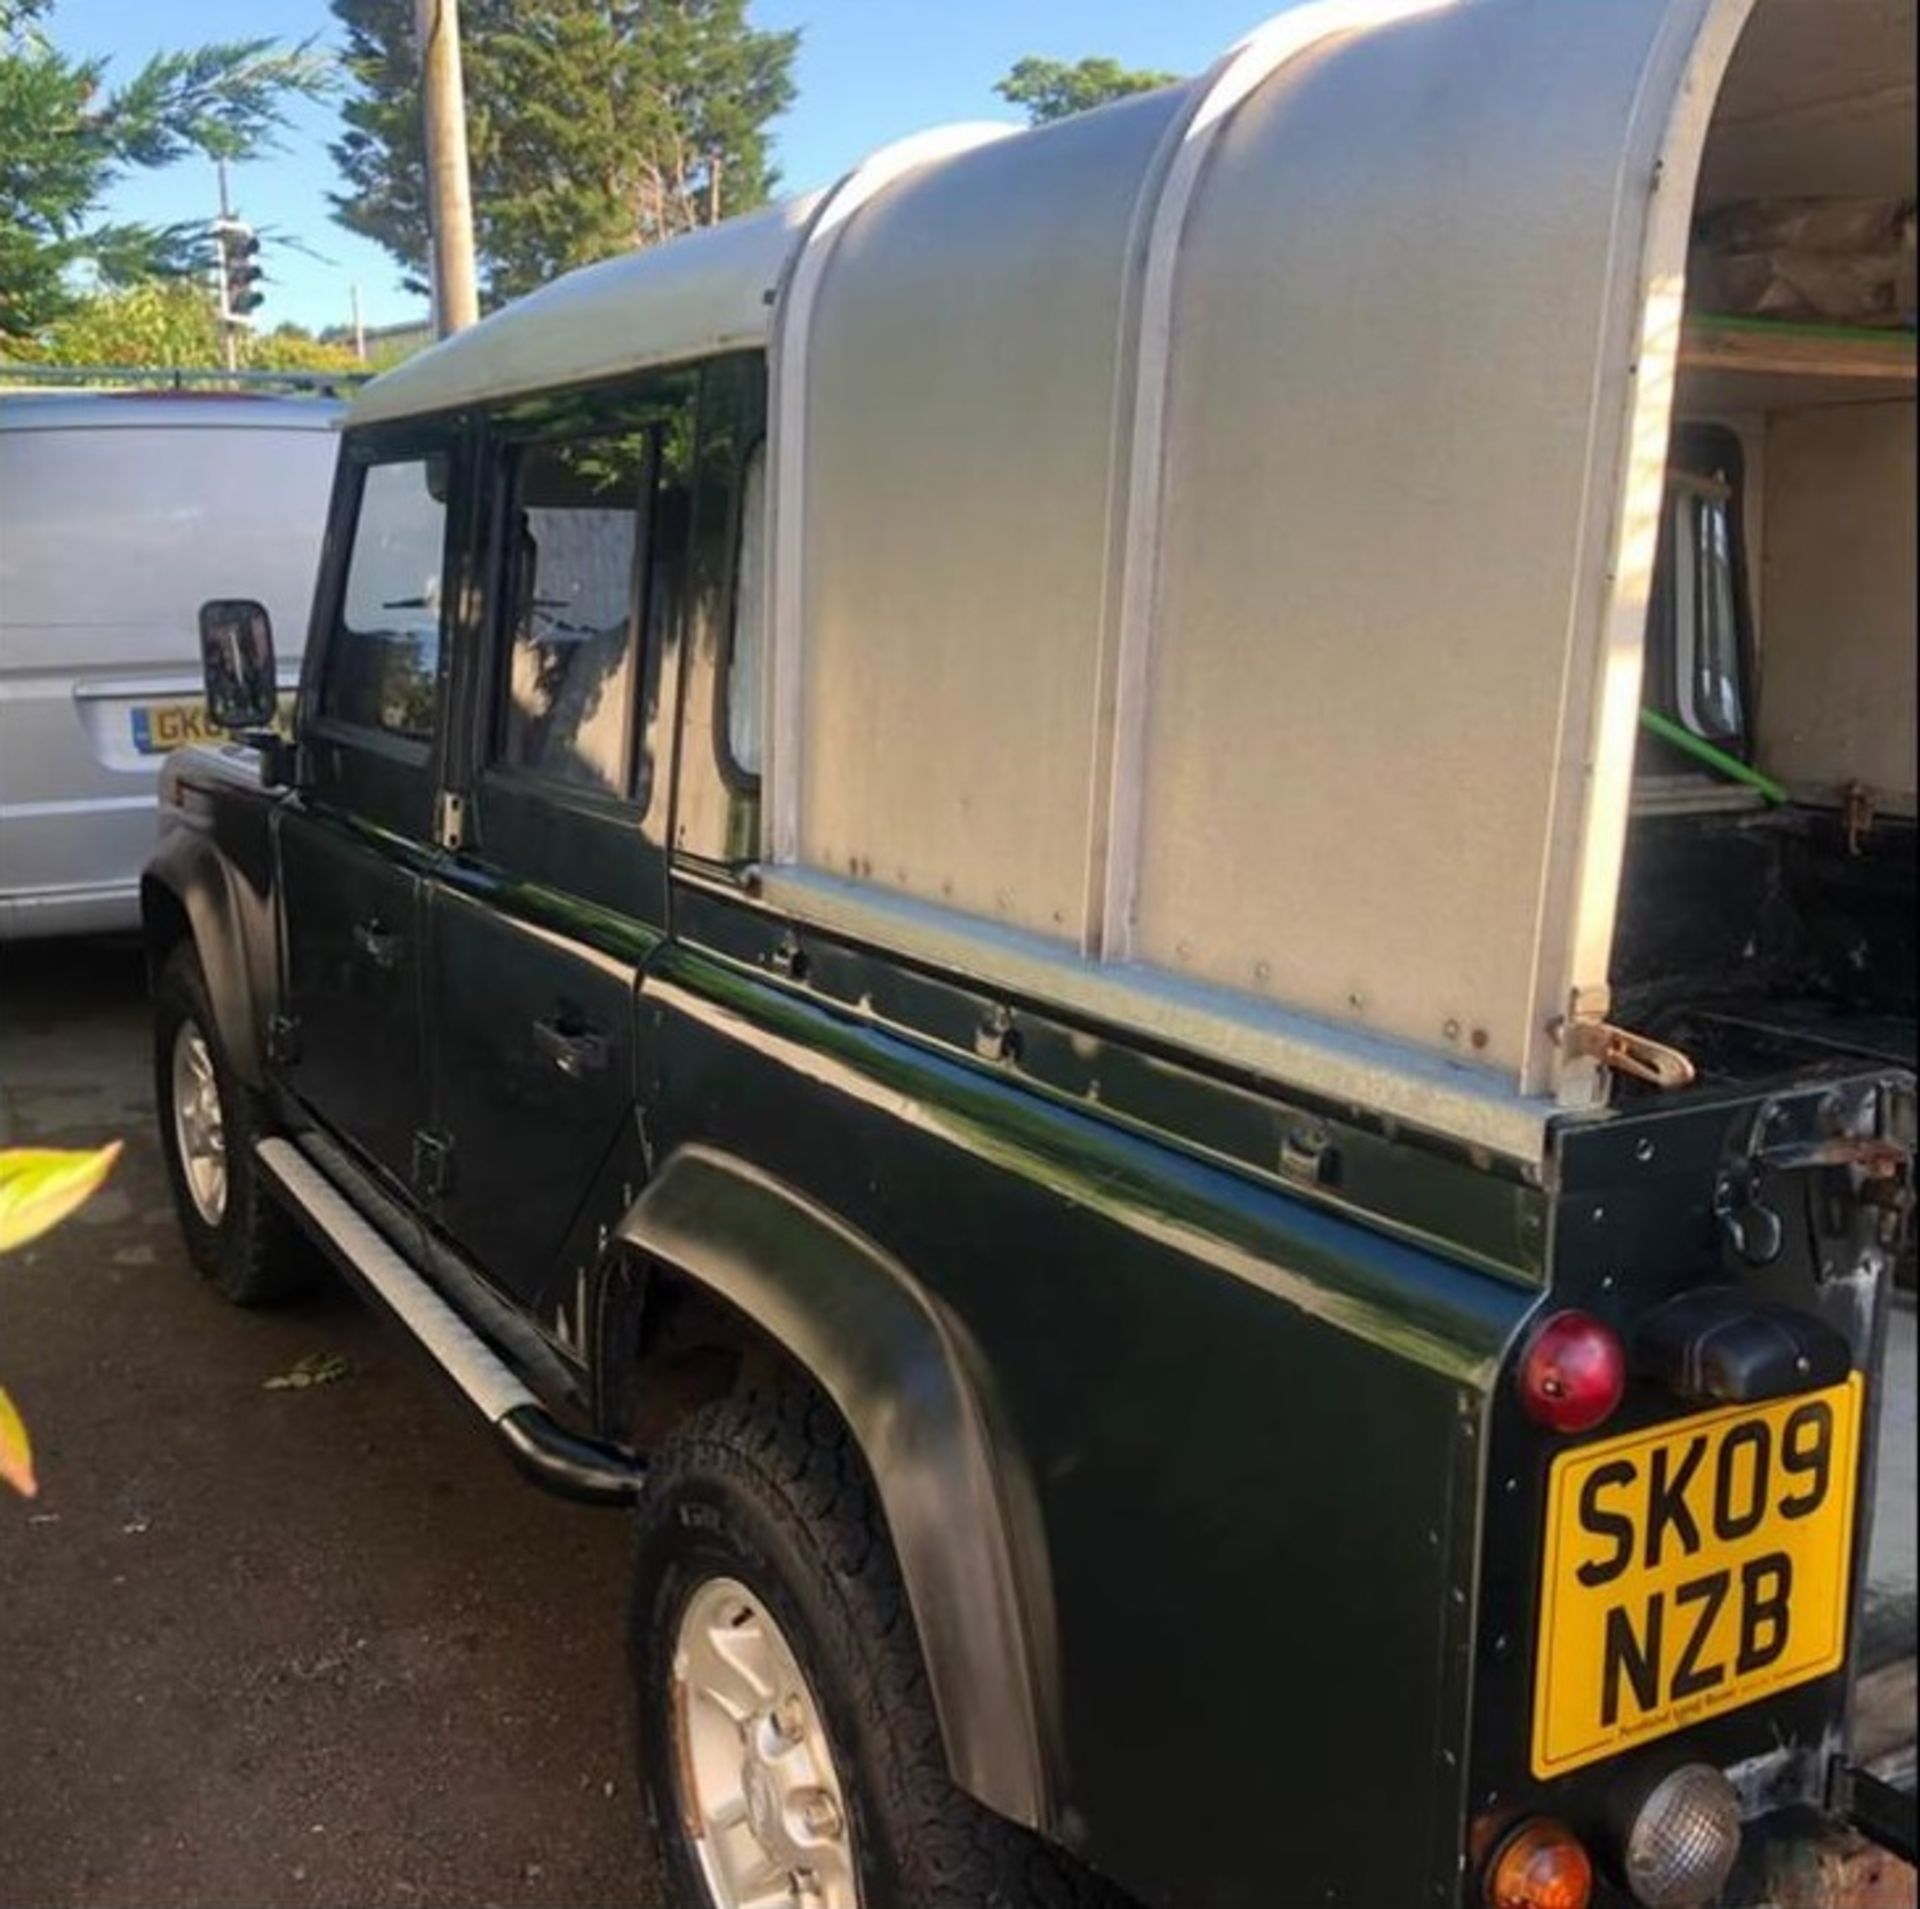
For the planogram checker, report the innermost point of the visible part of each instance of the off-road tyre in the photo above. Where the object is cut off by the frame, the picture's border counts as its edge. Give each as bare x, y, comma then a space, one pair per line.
255, 1256
770, 1491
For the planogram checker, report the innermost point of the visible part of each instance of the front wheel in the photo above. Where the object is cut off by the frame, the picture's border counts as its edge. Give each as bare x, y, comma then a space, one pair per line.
789, 1747
239, 1239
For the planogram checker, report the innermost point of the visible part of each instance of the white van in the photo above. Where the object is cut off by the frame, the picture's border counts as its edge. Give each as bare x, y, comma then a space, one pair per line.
119, 514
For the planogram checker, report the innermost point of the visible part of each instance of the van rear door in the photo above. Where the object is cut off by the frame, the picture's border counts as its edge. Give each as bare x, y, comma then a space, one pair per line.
123, 514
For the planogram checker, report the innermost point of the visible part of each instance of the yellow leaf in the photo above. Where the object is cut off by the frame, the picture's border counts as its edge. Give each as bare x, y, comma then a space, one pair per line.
16, 1455
40, 1186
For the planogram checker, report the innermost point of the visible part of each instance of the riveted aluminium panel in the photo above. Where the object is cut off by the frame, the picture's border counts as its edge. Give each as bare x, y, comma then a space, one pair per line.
1395, 308
964, 364
1401, 294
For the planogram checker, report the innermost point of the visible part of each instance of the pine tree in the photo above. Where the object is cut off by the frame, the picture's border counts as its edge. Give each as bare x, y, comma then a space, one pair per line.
592, 127
66, 137
1051, 89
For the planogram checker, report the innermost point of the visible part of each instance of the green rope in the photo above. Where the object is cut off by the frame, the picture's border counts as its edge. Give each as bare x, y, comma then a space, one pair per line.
1731, 767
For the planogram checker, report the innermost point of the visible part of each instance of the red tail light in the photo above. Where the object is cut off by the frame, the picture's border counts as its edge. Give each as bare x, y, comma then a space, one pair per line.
1572, 1373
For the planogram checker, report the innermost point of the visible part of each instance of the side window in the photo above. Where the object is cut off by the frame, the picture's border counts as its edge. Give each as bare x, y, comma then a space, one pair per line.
1701, 585
383, 662
746, 668
1698, 643
573, 536
716, 793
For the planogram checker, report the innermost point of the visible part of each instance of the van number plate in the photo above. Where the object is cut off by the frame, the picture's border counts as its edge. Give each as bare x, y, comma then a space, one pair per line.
160, 727
1691, 1568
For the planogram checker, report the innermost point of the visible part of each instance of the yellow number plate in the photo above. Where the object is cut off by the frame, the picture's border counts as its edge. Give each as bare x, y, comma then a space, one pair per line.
159, 727
1691, 1568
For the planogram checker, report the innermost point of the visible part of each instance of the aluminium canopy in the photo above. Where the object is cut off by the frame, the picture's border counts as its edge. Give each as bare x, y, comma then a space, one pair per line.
1210, 537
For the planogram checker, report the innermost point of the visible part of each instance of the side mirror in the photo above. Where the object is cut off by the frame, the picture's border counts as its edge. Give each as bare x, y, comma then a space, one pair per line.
236, 660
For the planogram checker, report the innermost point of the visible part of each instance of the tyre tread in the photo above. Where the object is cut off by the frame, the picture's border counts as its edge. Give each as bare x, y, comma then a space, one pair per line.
257, 1257
957, 1855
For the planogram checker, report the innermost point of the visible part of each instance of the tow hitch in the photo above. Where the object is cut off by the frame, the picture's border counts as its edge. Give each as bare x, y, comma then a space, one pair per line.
1874, 1807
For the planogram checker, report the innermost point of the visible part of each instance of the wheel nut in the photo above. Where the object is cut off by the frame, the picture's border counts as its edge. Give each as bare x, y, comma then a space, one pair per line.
820, 1814
790, 1720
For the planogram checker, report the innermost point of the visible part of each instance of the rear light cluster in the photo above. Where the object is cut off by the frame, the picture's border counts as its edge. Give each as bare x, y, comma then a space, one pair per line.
1573, 1373
1681, 1838
1676, 1839
1675, 1828
1542, 1865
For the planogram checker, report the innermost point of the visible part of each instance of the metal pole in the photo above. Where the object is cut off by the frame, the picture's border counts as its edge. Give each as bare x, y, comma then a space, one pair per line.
359, 330
456, 301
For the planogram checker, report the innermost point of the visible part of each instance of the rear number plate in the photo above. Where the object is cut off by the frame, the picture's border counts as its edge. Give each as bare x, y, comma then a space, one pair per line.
160, 727
1691, 1568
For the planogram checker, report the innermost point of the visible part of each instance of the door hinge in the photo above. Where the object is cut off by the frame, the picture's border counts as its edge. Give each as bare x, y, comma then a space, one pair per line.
450, 819
1621, 1051
432, 1162
283, 1040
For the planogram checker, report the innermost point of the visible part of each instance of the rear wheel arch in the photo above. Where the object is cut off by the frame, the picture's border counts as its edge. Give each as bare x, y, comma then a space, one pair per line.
713, 1238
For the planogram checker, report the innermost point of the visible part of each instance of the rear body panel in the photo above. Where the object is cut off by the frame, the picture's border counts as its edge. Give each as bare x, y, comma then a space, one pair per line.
1662, 1199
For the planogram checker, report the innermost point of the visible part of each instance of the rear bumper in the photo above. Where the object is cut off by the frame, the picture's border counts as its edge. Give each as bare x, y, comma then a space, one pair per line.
1805, 1859
71, 866
78, 908
1878, 1809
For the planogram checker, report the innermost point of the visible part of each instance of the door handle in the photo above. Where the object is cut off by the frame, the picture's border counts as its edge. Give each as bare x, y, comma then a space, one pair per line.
379, 944
577, 1051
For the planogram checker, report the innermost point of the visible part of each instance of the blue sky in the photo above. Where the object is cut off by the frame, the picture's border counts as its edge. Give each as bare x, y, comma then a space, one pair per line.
869, 71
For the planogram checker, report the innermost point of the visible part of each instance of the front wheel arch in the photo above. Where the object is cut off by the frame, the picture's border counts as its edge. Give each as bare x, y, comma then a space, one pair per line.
184, 898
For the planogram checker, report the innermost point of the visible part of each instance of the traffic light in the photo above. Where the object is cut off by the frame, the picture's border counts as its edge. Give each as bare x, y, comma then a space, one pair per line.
240, 272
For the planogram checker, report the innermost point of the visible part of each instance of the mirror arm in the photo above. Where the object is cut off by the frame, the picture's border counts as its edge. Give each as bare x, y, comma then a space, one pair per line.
277, 757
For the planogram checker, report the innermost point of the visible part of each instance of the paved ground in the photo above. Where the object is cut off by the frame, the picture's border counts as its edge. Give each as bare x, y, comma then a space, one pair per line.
310, 1647
292, 1647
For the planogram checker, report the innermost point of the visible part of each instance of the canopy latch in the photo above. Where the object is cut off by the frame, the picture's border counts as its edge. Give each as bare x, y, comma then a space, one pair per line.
1621, 1051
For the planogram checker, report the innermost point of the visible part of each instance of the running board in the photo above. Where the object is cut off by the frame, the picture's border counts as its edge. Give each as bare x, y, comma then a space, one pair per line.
579, 1468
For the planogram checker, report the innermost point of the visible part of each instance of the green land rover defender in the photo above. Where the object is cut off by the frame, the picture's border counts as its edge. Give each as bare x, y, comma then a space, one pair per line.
1133, 910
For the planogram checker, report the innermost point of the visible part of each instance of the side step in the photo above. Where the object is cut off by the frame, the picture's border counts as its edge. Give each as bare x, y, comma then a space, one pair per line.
579, 1468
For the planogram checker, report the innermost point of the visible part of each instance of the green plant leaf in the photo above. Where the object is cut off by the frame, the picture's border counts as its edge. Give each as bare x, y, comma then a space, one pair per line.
317, 1368
16, 1453
40, 1186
